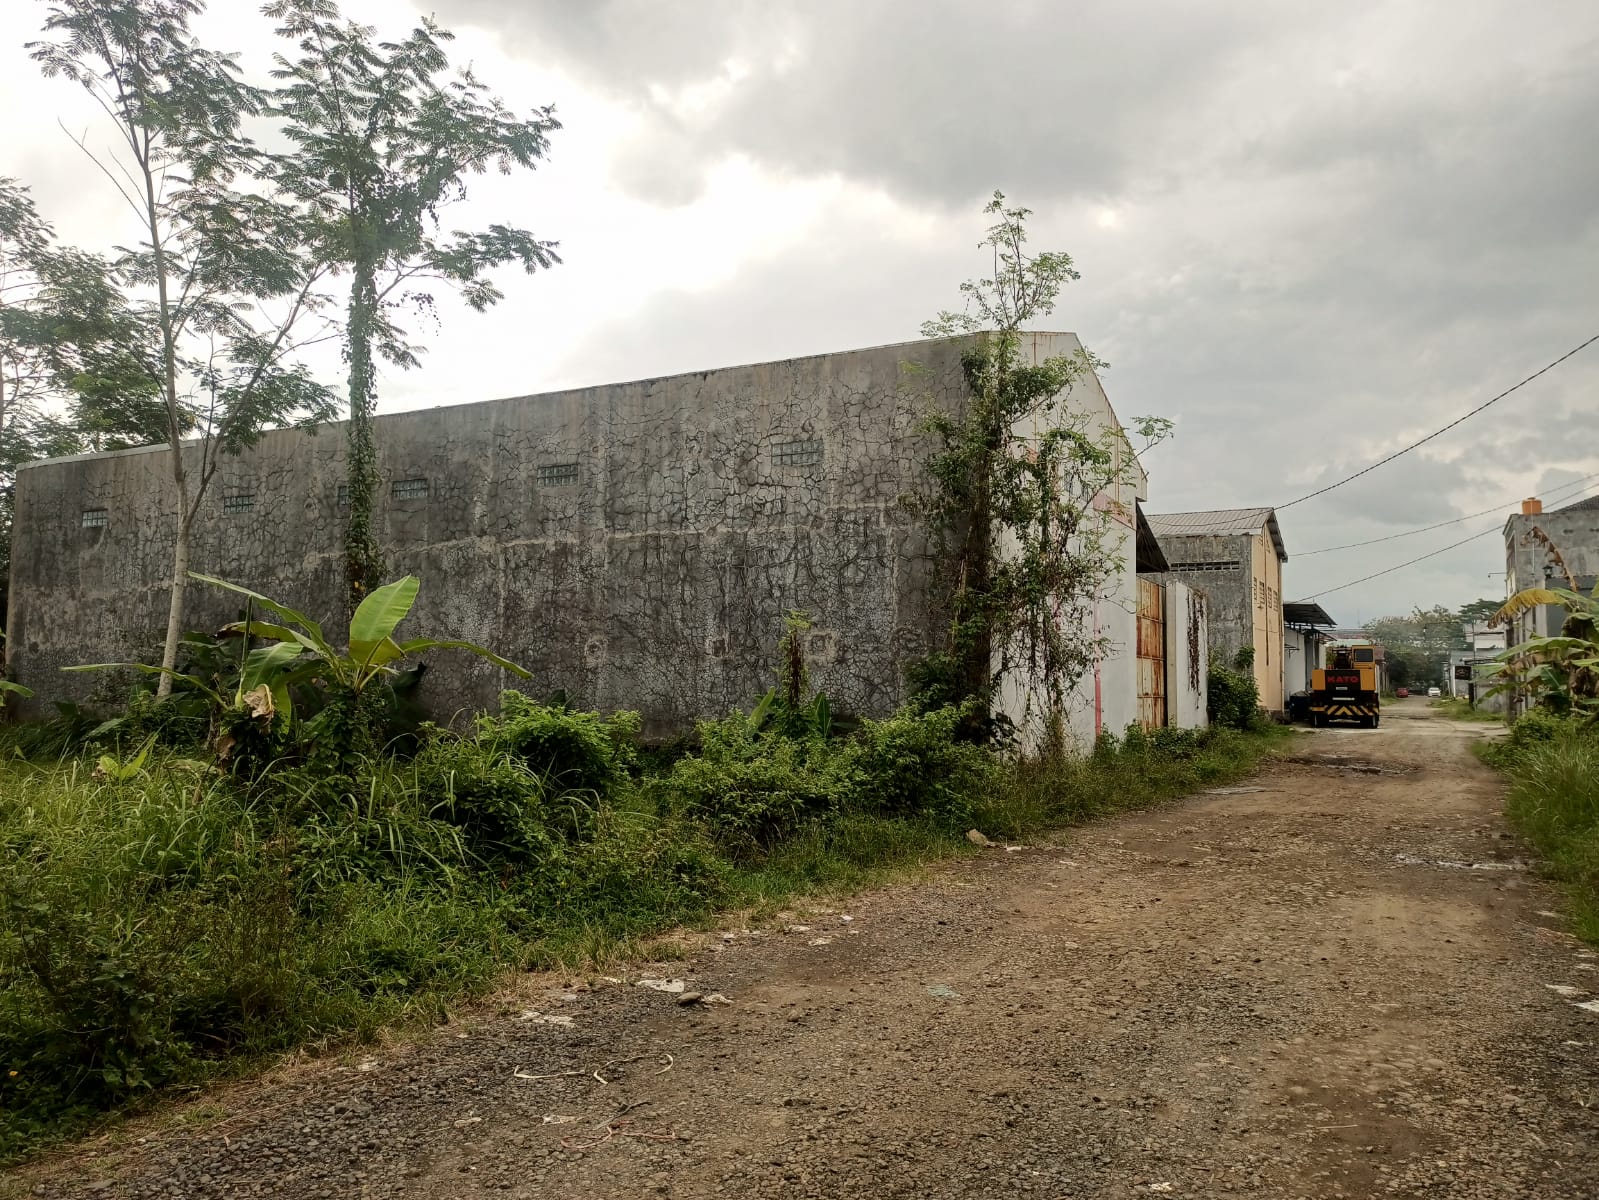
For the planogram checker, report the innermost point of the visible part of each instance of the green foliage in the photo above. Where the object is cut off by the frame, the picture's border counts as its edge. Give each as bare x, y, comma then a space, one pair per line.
568, 750
1416, 647
1478, 611
1021, 468
210, 304
1232, 693
384, 141
1554, 804
913, 764
160, 919
298, 692
1559, 673
753, 790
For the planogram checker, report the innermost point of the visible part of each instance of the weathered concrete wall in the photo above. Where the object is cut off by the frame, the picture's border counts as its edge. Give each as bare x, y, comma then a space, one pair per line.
1219, 566
1245, 600
635, 545
1187, 655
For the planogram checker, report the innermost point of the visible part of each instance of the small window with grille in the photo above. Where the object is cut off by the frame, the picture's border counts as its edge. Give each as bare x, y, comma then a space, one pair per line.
797, 454
557, 474
409, 489
341, 495
238, 502
96, 518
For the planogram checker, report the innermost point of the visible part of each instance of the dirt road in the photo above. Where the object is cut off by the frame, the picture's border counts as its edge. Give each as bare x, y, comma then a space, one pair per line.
1335, 981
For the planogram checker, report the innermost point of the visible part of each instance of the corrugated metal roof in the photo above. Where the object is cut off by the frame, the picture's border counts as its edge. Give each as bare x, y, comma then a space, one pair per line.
1306, 612
1221, 522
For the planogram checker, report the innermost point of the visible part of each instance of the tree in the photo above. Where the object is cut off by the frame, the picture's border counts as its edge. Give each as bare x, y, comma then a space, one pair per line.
1020, 469
1418, 645
66, 377
384, 142
1478, 612
215, 251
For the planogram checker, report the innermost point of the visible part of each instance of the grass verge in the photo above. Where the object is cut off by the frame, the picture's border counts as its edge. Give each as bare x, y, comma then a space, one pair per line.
1459, 709
170, 924
1554, 803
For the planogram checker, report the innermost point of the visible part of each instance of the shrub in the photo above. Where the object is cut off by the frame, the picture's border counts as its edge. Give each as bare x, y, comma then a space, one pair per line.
1233, 696
502, 806
754, 790
912, 765
1535, 727
572, 751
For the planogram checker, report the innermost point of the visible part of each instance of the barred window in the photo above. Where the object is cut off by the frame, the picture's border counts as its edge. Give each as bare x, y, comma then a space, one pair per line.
341, 495
96, 518
797, 454
238, 502
409, 489
557, 474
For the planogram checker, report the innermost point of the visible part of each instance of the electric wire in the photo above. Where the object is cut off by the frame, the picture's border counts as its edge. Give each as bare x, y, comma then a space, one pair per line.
1401, 566
1202, 526
1457, 421
1552, 496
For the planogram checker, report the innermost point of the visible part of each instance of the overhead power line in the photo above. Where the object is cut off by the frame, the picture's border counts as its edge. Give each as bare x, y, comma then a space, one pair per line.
1457, 421
1420, 442
1403, 565
1551, 496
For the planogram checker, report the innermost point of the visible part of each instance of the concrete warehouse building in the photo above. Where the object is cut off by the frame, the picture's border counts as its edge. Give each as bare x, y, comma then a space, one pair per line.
1235, 556
634, 545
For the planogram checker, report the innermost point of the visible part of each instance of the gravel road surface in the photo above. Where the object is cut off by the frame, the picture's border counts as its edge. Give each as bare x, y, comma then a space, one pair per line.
1336, 980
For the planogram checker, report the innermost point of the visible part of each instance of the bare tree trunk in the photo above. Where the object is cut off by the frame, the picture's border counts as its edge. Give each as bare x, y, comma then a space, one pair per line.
180, 585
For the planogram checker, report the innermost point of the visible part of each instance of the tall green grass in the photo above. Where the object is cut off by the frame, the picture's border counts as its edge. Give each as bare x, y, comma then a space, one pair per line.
180, 923
1554, 804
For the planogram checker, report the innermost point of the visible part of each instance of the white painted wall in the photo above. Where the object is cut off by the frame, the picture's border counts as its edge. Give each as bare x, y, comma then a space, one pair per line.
1107, 699
1185, 702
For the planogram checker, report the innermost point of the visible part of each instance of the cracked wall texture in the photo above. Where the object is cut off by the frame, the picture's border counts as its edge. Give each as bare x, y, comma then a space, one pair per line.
635, 545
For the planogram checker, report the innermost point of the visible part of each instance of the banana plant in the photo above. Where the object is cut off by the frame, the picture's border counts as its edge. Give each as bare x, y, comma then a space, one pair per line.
298, 649
8, 688
1562, 671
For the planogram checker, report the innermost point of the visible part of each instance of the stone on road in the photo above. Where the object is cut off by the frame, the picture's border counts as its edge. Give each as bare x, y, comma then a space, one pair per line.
1300, 991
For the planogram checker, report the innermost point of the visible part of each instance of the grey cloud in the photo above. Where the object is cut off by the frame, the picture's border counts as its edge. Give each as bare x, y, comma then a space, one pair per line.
1347, 225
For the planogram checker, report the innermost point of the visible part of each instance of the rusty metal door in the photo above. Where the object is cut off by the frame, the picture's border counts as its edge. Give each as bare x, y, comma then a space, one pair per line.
1151, 654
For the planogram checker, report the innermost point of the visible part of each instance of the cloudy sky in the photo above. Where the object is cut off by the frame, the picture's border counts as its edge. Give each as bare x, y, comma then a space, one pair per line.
1307, 233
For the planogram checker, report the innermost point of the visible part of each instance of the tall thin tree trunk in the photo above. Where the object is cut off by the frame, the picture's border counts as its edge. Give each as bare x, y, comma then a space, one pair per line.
362, 556
180, 587
169, 354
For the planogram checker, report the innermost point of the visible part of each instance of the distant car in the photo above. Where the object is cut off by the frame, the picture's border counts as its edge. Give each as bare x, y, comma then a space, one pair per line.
1432, 691
1401, 692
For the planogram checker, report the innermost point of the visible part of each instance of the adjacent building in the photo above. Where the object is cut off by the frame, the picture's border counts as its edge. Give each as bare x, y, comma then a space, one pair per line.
1549, 549
634, 545
1235, 557
1306, 630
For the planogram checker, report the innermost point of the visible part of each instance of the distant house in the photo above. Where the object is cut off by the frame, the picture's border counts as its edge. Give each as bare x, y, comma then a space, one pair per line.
1573, 533
1235, 556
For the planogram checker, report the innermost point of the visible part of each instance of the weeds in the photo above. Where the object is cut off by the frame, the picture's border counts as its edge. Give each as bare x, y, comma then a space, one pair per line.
162, 921
1554, 804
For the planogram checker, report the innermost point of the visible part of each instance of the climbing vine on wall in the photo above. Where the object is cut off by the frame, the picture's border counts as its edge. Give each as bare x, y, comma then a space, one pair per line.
1032, 494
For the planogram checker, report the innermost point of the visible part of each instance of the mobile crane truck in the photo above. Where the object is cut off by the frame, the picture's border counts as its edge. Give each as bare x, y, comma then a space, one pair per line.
1347, 690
